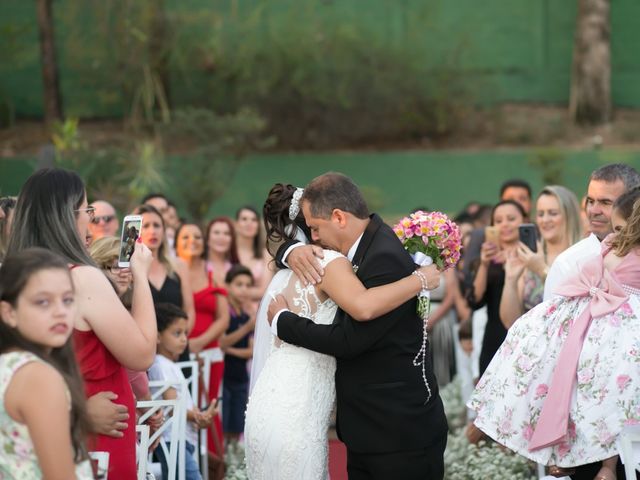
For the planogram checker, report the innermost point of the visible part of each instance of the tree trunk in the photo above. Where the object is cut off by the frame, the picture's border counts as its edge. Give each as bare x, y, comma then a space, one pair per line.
590, 102
159, 38
51, 88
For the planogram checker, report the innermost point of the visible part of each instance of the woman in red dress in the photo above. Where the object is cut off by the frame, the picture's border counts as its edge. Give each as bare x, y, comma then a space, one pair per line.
53, 213
212, 311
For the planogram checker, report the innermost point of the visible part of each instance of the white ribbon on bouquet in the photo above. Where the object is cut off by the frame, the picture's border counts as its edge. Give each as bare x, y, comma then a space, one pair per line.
423, 260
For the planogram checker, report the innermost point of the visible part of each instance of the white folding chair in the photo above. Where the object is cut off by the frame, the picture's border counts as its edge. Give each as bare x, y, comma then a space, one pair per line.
194, 390
175, 420
209, 356
142, 450
102, 461
629, 448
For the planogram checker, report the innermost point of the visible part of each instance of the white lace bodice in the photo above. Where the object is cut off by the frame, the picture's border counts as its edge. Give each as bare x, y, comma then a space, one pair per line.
290, 406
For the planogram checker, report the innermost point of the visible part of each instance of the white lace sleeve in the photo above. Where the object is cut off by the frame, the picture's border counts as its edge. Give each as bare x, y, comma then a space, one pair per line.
329, 256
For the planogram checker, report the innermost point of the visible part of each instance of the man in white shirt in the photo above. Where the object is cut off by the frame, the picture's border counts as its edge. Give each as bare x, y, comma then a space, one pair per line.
606, 184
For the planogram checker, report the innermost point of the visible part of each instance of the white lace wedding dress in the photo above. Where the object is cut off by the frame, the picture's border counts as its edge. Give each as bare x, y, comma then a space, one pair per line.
288, 412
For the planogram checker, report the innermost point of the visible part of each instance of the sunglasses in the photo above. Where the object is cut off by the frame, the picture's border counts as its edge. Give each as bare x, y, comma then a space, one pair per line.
103, 218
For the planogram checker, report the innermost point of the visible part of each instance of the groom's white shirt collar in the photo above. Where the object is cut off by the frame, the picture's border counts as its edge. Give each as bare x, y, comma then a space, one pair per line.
350, 254
354, 248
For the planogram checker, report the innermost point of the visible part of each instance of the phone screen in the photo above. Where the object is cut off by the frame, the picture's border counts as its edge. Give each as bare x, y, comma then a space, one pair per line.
130, 233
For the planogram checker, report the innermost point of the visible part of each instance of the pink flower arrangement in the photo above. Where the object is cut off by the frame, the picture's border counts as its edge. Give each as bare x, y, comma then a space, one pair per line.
432, 234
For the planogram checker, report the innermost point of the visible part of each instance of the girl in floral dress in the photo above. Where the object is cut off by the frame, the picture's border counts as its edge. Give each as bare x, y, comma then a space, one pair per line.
572, 416
39, 437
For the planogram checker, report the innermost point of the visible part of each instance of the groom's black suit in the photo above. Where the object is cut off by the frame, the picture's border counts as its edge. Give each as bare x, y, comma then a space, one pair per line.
380, 394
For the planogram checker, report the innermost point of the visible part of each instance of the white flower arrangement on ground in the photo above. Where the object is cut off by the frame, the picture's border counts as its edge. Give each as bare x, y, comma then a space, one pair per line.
234, 459
464, 461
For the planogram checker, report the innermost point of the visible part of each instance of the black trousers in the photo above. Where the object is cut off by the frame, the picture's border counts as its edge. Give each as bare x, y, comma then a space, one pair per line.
423, 464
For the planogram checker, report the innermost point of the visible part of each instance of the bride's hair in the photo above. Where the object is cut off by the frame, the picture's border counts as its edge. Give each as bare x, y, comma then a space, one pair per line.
276, 216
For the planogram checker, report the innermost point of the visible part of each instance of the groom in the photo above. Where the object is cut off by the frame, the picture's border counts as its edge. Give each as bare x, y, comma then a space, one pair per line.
389, 430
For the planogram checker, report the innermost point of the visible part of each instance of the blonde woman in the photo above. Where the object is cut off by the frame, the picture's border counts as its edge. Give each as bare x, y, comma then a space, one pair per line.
558, 219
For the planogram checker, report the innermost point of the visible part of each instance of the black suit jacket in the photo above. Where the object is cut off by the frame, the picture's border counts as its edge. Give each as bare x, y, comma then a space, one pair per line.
380, 394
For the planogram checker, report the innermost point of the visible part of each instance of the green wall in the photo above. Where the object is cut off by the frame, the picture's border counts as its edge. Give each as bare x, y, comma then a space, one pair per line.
510, 50
393, 182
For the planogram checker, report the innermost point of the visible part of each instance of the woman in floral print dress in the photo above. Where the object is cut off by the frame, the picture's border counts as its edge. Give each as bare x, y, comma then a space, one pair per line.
572, 415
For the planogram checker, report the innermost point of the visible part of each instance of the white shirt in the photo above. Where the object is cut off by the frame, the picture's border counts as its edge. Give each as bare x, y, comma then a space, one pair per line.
569, 263
164, 370
350, 254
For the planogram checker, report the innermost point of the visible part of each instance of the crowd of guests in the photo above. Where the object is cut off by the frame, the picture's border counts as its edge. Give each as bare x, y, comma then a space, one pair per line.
194, 289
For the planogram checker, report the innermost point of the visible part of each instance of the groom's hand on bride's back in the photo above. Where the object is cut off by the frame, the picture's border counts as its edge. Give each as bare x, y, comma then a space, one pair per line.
278, 303
304, 263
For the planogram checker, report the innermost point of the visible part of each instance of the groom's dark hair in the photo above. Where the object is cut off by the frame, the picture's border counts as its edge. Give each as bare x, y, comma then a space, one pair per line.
334, 190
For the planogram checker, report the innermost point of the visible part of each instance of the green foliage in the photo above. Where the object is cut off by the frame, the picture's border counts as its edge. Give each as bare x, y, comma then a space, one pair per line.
150, 102
222, 141
121, 172
552, 165
66, 136
324, 81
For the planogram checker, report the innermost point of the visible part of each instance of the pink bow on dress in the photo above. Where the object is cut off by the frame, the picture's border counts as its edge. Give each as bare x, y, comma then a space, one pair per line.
606, 297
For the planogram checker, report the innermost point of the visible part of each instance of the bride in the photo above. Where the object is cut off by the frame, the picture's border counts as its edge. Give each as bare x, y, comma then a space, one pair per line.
291, 401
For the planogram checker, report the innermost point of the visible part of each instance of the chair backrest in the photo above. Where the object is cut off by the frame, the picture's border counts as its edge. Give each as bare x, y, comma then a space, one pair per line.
102, 462
142, 450
629, 447
192, 380
175, 419
208, 356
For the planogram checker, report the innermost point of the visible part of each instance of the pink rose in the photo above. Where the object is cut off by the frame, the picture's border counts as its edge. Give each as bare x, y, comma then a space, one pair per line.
563, 449
626, 309
632, 421
524, 363
615, 320
585, 375
527, 432
541, 391
623, 382
551, 309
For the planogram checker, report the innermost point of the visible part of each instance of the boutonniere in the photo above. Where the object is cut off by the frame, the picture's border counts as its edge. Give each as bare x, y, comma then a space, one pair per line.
355, 268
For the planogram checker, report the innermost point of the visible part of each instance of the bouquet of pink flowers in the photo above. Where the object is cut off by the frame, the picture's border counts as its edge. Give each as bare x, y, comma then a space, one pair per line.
429, 238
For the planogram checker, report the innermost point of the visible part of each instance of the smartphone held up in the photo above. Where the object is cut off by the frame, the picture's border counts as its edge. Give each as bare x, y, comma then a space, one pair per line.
130, 232
528, 233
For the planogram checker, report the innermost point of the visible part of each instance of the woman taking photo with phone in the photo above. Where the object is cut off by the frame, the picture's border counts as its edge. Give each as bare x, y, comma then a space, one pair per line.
52, 212
488, 281
558, 220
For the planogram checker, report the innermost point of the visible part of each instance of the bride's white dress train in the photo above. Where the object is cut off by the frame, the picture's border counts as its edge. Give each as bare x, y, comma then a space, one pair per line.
289, 408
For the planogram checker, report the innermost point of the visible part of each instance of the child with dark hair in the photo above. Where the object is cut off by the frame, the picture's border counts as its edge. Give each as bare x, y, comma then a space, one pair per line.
172, 340
37, 308
238, 347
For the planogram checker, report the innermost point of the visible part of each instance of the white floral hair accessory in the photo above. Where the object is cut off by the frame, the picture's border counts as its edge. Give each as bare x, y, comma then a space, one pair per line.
294, 208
